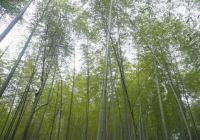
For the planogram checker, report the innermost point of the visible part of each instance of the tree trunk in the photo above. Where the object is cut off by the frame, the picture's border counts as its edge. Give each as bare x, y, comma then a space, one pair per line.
71, 101
60, 110
35, 135
54, 118
160, 104
14, 21
113, 116
85, 133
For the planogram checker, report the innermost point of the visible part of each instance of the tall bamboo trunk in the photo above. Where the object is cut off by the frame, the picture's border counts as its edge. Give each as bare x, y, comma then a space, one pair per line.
46, 105
102, 132
160, 106
14, 21
50, 132
141, 127
120, 131
60, 110
113, 116
124, 89
71, 101
85, 133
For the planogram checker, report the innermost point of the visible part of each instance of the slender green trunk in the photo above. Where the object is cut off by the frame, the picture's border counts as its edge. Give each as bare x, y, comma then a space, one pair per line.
50, 132
161, 106
4, 51
85, 133
113, 116
71, 101
46, 105
60, 110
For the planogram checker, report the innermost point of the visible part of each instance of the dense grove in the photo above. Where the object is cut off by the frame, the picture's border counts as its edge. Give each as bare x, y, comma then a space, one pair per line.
103, 69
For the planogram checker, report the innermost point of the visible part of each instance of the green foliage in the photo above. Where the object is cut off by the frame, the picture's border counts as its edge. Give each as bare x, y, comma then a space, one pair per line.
165, 49
11, 6
159, 33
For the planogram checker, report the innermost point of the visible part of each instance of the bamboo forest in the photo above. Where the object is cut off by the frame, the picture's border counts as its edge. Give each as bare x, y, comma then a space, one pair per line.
99, 69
